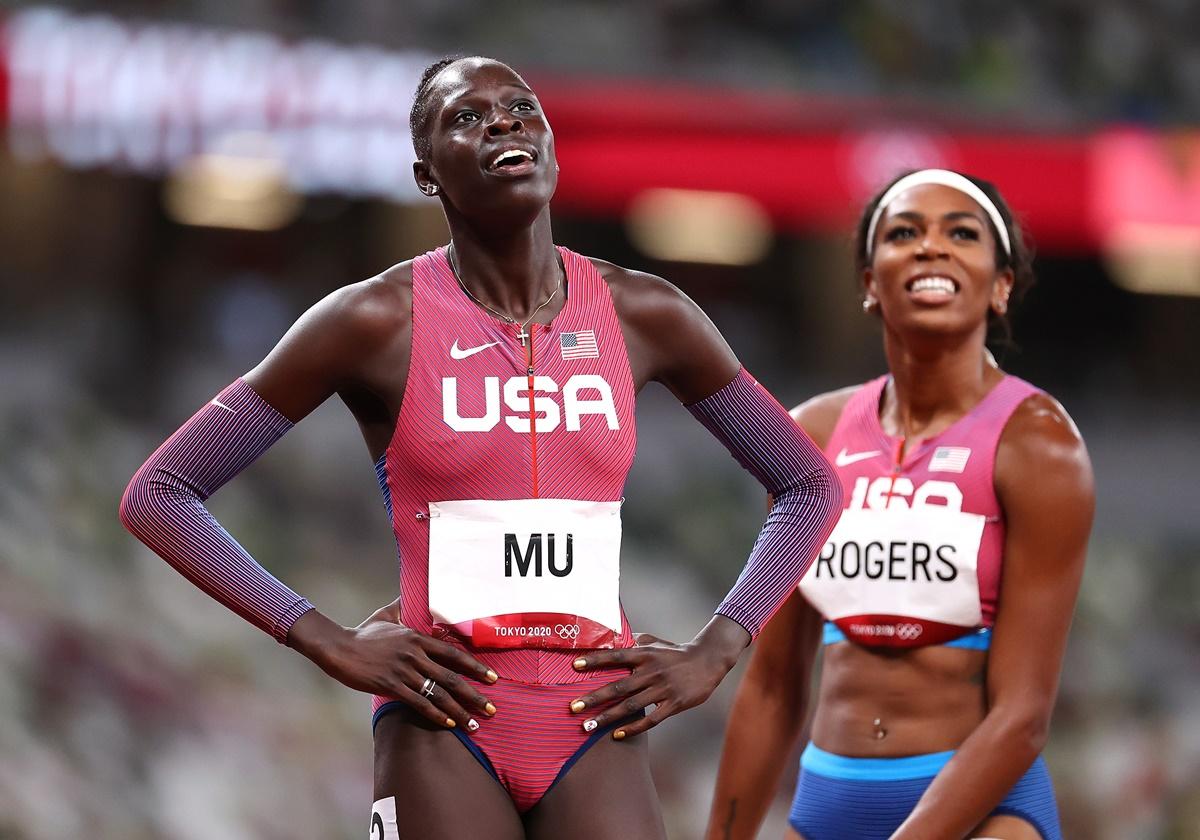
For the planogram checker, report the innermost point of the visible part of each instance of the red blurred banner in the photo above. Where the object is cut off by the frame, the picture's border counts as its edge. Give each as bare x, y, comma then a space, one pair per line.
91, 90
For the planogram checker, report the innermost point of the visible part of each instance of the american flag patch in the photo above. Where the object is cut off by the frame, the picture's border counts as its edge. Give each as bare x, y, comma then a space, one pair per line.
949, 459
579, 345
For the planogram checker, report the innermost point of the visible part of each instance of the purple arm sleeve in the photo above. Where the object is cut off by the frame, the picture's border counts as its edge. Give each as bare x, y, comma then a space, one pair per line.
163, 506
807, 493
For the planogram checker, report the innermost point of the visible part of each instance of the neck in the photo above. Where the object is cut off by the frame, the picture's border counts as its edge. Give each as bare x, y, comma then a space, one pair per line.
935, 382
514, 271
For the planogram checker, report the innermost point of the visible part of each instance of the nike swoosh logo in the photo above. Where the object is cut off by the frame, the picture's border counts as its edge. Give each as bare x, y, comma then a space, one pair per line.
456, 353
845, 459
220, 404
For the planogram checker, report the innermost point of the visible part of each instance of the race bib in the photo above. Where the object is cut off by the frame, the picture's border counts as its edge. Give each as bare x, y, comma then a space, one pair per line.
899, 577
526, 573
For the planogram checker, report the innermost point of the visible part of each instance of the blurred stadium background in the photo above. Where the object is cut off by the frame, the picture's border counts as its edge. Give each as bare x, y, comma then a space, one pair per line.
180, 180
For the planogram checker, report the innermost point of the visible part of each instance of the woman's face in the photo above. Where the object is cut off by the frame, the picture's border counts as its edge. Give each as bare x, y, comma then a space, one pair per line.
934, 263
492, 147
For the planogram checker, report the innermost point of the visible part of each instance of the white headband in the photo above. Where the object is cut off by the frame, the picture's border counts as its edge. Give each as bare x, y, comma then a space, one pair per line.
945, 178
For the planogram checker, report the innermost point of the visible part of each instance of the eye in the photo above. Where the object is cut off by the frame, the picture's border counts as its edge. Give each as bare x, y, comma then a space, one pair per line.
964, 232
899, 232
523, 106
465, 116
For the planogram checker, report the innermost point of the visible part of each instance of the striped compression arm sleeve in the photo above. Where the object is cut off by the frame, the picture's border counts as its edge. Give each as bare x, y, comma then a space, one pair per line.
764, 438
163, 506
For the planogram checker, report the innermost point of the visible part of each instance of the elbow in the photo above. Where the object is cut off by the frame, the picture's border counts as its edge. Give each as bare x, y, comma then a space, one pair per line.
1028, 729
829, 487
134, 510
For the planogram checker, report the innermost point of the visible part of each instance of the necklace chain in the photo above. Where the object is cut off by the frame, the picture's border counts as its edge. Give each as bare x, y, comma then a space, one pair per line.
506, 318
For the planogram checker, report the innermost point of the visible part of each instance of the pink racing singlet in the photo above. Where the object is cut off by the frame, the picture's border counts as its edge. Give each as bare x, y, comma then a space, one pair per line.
916, 556
508, 530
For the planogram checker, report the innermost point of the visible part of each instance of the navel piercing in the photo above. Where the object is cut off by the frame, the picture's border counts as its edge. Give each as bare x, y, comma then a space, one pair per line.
880, 732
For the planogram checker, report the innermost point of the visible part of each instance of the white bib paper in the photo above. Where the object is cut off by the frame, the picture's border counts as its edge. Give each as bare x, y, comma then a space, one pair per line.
899, 576
526, 572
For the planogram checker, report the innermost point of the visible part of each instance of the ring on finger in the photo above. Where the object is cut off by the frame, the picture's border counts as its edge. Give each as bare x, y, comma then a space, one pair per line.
427, 687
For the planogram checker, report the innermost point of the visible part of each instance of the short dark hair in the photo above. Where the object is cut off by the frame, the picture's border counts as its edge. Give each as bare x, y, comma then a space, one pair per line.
1020, 262
419, 115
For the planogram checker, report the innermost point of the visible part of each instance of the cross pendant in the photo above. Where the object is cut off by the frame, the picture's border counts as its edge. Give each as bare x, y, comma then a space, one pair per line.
522, 335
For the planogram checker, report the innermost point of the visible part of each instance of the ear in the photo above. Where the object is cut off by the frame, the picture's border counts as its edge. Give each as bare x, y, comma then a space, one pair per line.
1001, 290
868, 281
424, 178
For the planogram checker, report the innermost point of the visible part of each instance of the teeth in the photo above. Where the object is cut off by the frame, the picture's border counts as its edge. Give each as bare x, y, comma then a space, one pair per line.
934, 284
511, 154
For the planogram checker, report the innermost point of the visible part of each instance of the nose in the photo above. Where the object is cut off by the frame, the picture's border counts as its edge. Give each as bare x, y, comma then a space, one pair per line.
931, 246
504, 123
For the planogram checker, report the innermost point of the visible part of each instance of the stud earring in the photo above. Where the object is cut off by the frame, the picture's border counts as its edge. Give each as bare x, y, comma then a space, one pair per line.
870, 304
431, 189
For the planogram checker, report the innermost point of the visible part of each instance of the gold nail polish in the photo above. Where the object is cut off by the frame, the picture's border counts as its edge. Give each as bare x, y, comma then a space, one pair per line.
490, 709
619, 735
580, 663
492, 676
450, 723
578, 706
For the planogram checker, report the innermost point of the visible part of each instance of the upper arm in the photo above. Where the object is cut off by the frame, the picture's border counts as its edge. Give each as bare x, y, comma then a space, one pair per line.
1045, 487
333, 346
668, 337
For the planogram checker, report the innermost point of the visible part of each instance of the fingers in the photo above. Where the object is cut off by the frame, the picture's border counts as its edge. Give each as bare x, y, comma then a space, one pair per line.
461, 690
616, 690
595, 659
629, 706
643, 639
437, 707
458, 660
661, 712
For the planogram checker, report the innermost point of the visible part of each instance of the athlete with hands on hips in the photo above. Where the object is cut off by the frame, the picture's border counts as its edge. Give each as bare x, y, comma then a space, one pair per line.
943, 598
494, 380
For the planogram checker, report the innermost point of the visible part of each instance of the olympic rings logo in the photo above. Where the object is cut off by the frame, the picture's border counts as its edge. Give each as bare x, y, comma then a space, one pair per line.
909, 631
567, 631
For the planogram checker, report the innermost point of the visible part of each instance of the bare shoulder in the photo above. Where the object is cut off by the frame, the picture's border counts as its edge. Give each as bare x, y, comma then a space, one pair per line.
1042, 445
376, 307
819, 415
640, 296
337, 343
668, 337
1040, 427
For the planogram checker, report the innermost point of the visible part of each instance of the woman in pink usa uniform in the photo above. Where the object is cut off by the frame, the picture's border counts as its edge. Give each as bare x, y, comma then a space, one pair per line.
943, 597
494, 382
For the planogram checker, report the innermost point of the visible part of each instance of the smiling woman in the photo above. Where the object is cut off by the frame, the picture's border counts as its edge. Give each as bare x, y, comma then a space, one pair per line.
493, 380
943, 597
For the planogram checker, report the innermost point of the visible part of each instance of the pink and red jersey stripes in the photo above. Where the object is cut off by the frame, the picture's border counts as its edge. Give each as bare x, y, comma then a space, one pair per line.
965, 454
163, 506
464, 427
760, 433
471, 428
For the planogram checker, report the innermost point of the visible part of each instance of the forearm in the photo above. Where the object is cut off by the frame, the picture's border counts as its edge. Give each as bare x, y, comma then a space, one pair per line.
808, 496
163, 506
987, 765
759, 739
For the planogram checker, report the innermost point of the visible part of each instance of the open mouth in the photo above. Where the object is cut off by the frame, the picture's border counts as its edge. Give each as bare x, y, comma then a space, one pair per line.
932, 288
512, 161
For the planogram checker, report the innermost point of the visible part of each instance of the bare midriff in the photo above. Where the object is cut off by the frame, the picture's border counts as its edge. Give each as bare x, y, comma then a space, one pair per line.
883, 703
